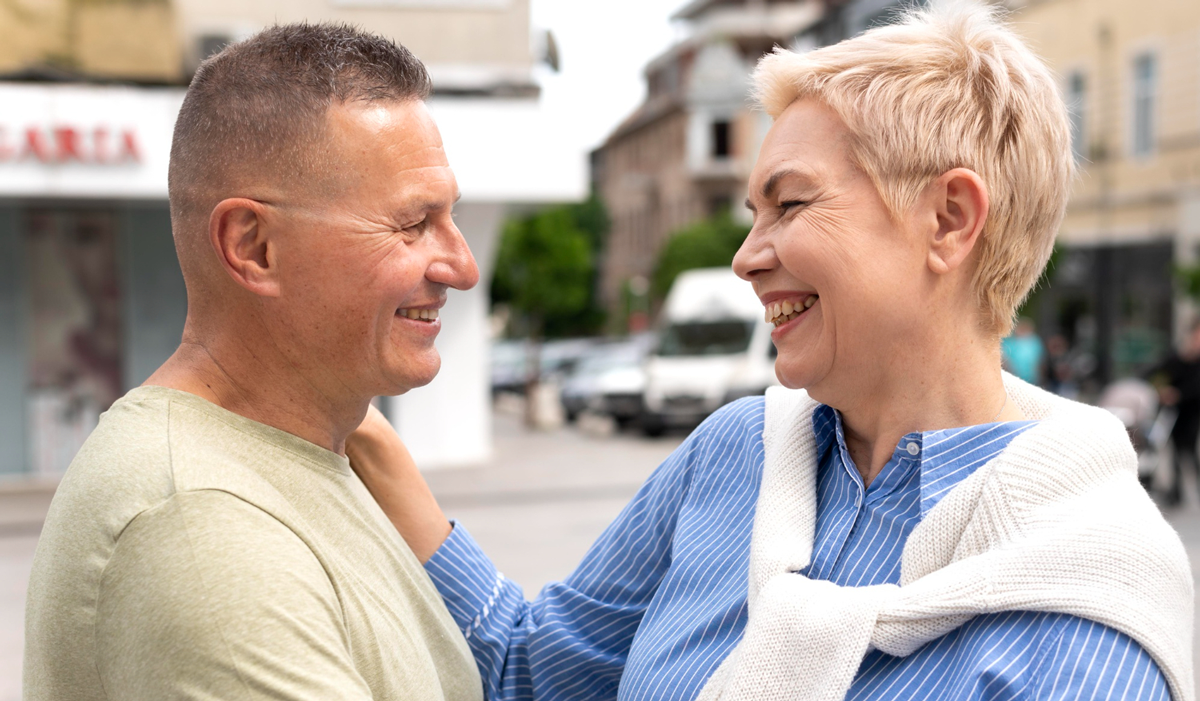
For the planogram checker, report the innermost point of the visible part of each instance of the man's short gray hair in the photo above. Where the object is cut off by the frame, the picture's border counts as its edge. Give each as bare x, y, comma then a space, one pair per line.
257, 109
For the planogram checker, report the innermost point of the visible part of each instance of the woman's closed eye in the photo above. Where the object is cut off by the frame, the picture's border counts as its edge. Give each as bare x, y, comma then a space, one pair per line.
789, 205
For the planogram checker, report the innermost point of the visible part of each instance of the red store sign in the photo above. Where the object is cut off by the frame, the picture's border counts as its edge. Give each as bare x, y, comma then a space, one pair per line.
60, 144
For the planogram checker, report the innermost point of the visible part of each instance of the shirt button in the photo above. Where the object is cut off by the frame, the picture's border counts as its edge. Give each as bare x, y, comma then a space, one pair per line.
913, 449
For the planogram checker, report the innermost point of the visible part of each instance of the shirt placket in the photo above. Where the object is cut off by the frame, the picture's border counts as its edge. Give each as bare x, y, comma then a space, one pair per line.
846, 502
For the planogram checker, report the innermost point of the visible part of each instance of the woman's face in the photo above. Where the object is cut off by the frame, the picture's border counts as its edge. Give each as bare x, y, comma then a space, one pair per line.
824, 248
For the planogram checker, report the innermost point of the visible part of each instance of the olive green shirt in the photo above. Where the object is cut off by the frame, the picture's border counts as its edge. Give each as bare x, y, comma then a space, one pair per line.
191, 553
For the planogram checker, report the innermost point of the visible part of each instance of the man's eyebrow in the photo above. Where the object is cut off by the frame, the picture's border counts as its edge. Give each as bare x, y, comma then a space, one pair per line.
428, 204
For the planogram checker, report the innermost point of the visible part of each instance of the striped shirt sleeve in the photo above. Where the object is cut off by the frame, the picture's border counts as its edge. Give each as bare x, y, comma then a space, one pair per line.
1092, 661
573, 640
1017, 656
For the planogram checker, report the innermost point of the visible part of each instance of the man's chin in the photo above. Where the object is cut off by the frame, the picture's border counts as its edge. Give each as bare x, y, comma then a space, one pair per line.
401, 380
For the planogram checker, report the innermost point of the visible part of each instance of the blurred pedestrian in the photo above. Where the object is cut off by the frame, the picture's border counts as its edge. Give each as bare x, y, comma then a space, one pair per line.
210, 540
1060, 368
1023, 352
1178, 380
907, 520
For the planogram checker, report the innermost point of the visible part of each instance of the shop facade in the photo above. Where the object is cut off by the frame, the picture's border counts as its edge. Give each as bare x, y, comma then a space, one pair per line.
91, 297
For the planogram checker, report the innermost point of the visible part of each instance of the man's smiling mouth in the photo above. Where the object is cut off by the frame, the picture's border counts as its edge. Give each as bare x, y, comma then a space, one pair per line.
783, 311
418, 314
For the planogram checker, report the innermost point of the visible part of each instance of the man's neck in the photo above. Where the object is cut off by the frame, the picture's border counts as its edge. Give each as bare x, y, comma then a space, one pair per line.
250, 385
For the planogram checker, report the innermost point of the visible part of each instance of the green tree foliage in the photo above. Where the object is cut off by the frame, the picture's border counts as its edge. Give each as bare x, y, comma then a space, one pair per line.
591, 217
709, 243
546, 271
1187, 280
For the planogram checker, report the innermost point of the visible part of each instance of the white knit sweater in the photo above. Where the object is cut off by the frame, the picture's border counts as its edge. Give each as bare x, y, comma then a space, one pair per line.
1056, 522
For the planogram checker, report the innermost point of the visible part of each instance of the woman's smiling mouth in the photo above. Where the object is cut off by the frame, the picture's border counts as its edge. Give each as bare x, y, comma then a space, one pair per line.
783, 311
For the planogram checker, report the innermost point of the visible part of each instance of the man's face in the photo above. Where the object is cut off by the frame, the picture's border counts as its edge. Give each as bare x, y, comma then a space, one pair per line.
369, 244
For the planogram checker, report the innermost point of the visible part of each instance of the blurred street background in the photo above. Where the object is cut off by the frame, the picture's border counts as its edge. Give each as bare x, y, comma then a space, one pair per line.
602, 148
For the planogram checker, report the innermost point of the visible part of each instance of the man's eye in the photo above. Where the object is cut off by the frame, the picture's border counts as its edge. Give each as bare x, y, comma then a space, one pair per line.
419, 227
791, 204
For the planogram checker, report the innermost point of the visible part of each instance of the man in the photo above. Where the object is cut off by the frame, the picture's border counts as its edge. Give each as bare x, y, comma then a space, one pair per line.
210, 540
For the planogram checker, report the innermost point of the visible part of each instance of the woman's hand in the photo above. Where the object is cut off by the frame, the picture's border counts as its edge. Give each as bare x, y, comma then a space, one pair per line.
383, 464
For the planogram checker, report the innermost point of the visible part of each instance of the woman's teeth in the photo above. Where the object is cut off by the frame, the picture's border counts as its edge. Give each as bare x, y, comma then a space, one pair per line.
418, 314
780, 313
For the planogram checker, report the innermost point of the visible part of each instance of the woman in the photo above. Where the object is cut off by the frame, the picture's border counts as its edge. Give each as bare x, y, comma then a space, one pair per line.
914, 523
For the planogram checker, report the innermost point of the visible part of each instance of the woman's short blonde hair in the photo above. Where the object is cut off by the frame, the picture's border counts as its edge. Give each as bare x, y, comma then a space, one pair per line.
949, 86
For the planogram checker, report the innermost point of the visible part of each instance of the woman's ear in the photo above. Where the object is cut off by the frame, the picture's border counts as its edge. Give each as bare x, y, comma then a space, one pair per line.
959, 200
238, 235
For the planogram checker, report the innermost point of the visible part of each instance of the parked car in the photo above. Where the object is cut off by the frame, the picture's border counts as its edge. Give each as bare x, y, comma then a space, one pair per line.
510, 366
510, 361
713, 346
609, 381
559, 357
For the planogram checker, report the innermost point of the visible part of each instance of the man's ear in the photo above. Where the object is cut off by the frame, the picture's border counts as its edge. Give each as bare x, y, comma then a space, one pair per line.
237, 234
960, 204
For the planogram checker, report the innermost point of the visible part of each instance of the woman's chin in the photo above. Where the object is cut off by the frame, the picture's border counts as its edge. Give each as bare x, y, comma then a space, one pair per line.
795, 375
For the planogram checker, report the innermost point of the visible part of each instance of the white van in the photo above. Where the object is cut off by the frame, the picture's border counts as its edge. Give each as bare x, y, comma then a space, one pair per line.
713, 347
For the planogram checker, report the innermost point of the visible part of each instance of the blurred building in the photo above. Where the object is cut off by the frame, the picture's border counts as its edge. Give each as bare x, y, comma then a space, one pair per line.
686, 152
471, 47
1130, 73
91, 298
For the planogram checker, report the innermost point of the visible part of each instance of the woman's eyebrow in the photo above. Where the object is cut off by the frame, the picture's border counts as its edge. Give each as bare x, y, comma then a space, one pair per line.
768, 188
772, 183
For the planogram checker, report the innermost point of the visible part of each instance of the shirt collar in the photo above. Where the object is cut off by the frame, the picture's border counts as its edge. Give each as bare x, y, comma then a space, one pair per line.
945, 457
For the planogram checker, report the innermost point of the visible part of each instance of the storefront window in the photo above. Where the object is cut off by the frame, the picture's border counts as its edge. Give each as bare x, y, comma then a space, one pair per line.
74, 319
1110, 308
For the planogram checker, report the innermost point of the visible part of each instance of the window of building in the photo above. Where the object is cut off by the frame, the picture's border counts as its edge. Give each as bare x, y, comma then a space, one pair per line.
719, 205
721, 141
75, 337
1076, 103
1145, 78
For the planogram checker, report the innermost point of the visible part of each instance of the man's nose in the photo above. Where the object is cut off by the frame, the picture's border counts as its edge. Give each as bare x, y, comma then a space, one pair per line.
456, 266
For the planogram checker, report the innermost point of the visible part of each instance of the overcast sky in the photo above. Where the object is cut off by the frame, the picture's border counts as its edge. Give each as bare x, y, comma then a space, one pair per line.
603, 46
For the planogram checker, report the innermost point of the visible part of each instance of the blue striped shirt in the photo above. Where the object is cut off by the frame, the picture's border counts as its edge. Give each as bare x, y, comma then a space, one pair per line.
660, 599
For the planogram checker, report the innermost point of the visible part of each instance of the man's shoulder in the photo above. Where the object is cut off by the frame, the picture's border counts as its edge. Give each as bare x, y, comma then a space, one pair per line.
147, 447
120, 472
204, 589
147, 450
122, 468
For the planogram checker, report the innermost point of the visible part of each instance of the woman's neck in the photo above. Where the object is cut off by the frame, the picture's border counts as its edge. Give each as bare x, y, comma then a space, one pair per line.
925, 387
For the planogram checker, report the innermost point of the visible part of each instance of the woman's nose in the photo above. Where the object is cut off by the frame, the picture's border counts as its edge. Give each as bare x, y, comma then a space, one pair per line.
755, 257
